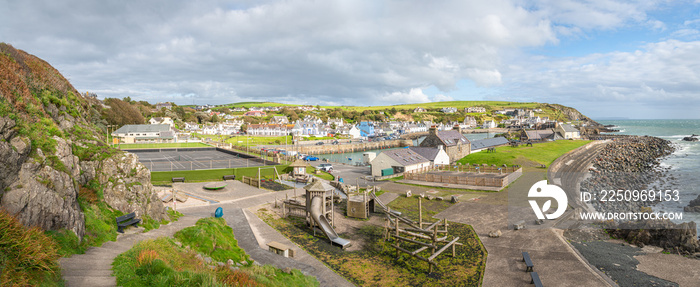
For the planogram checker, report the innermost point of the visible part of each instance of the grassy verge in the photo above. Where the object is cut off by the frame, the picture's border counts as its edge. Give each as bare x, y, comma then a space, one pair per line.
28, 257
167, 262
160, 145
321, 174
541, 153
99, 223
376, 263
165, 177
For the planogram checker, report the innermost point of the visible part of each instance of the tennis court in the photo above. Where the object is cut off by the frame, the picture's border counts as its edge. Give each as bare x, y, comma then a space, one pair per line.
169, 159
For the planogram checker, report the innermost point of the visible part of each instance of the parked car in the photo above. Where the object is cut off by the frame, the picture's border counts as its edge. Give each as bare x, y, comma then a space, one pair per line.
327, 167
310, 158
335, 142
319, 143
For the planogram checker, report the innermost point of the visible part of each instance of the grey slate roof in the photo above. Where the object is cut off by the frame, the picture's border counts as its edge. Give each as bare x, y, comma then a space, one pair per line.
406, 156
489, 142
427, 152
540, 134
452, 137
568, 128
142, 129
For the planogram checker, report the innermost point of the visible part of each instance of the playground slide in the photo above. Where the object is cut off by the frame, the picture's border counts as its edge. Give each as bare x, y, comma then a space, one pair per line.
376, 199
321, 220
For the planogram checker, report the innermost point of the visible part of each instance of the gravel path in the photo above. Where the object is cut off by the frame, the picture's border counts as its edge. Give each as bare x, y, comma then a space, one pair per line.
617, 261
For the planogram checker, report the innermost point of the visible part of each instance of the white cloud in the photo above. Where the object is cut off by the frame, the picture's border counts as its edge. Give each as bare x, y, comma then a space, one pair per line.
661, 75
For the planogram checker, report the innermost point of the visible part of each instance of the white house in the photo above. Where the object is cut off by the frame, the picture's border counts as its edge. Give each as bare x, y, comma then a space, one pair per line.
489, 124
161, 121
469, 122
475, 110
269, 130
398, 161
302, 128
436, 156
354, 132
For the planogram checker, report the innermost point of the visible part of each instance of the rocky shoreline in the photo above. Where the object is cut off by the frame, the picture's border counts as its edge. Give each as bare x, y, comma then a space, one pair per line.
628, 163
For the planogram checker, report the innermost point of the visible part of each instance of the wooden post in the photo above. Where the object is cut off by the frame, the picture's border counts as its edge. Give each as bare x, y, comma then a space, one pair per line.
420, 213
398, 242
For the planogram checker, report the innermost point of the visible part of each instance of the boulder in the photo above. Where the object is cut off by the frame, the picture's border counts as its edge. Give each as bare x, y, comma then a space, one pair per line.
495, 233
454, 199
408, 193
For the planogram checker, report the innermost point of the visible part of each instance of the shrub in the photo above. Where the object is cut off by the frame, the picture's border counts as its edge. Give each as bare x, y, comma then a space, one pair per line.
26, 255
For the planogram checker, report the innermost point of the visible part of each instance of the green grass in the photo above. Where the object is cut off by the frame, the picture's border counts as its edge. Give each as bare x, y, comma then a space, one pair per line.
259, 140
160, 145
212, 237
322, 174
165, 177
161, 262
541, 153
376, 263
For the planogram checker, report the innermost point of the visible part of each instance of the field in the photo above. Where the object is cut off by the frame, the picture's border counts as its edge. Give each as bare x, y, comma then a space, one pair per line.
539, 153
164, 177
160, 145
376, 264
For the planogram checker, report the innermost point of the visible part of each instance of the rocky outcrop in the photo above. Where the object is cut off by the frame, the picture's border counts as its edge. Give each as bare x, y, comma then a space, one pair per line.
127, 186
13, 152
43, 121
693, 206
676, 238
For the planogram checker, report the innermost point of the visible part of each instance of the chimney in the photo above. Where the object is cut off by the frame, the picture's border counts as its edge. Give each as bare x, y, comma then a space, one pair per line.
433, 130
457, 128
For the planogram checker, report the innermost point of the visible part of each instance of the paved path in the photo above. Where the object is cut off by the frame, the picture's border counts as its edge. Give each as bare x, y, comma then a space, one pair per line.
555, 261
94, 268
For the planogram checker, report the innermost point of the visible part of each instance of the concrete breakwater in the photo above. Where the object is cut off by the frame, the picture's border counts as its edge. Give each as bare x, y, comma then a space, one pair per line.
354, 147
628, 163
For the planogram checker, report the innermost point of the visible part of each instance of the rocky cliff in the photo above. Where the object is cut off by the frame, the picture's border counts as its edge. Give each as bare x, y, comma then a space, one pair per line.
50, 146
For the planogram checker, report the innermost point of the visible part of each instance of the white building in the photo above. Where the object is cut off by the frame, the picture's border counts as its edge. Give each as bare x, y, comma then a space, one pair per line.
398, 161
489, 124
161, 121
145, 134
269, 130
436, 156
354, 132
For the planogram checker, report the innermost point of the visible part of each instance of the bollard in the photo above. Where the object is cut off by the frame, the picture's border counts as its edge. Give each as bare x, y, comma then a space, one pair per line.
219, 212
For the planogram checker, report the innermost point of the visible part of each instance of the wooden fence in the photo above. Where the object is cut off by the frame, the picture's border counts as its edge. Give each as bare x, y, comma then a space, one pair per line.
466, 178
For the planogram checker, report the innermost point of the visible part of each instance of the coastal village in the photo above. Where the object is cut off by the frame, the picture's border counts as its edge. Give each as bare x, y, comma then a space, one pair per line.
121, 192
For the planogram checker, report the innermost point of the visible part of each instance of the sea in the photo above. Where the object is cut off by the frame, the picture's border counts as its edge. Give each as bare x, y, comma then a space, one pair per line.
684, 163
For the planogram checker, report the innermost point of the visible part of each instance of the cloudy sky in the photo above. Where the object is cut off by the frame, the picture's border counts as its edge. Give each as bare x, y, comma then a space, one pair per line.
608, 58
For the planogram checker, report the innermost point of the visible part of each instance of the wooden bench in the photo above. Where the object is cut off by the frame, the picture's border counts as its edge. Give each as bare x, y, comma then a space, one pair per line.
180, 179
280, 249
528, 262
535, 279
126, 220
231, 177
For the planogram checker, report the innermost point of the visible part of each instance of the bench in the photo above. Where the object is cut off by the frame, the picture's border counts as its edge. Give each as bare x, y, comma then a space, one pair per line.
231, 177
180, 179
126, 220
535, 279
528, 262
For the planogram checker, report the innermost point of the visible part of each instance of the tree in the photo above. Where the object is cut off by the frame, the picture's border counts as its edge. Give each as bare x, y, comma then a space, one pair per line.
121, 113
215, 118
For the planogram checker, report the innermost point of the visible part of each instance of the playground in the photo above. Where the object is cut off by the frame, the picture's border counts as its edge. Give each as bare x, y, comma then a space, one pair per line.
174, 159
386, 240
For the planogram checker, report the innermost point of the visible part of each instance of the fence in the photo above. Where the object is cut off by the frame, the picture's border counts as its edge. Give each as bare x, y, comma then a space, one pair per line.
467, 178
293, 208
164, 165
252, 181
